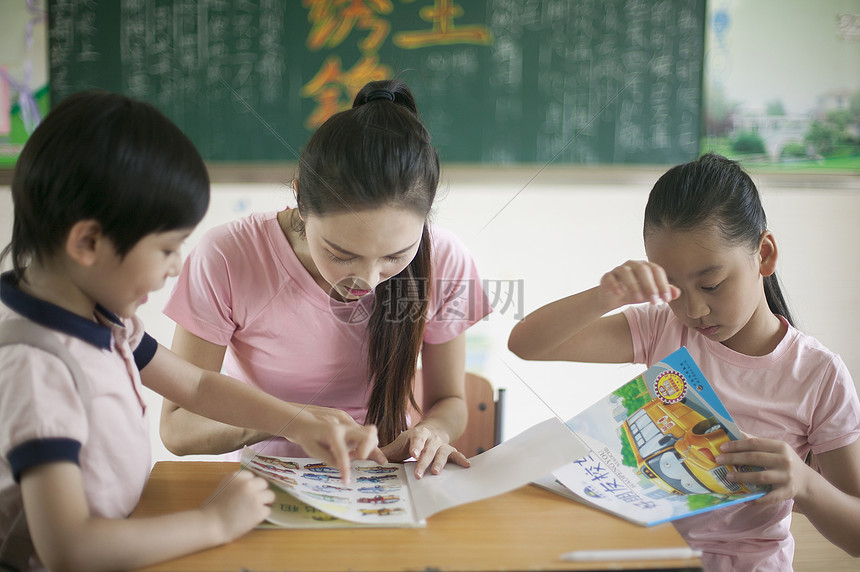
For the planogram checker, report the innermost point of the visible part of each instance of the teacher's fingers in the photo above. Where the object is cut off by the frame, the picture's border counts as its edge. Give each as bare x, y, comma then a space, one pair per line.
459, 458
436, 459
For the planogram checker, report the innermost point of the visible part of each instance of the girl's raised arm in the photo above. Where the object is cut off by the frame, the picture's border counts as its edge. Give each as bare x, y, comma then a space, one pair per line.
577, 328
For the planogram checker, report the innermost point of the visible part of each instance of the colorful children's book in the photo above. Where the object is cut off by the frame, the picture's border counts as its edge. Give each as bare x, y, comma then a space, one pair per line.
652, 447
311, 494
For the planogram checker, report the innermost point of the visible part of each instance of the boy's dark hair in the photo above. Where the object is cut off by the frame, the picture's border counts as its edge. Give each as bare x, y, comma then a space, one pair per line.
714, 190
105, 157
379, 154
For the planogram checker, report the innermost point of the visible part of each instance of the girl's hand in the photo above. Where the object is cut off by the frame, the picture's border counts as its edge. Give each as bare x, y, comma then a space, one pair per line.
334, 437
427, 446
634, 282
239, 504
788, 476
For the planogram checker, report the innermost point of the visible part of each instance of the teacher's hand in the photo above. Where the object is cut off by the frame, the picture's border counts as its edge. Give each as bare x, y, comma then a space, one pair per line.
429, 447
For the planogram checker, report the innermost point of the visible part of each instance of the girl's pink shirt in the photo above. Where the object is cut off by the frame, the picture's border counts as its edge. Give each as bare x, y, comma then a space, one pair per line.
244, 288
800, 393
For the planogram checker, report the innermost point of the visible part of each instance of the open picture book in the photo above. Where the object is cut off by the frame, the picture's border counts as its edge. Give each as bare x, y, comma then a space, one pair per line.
652, 446
645, 452
311, 494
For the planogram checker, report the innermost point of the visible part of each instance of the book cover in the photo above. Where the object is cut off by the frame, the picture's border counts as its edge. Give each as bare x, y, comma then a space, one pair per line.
311, 494
652, 447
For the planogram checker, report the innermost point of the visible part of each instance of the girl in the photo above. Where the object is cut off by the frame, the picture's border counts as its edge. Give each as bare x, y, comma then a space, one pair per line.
331, 302
712, 259
105, 192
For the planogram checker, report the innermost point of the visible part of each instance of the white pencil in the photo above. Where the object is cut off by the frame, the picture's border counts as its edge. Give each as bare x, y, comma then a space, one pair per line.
631, 554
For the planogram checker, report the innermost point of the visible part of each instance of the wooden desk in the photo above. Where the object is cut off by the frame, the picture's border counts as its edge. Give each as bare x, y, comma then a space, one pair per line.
526, 529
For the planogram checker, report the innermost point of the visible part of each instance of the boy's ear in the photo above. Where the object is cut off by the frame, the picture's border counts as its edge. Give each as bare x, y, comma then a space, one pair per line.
83, 240
767, 253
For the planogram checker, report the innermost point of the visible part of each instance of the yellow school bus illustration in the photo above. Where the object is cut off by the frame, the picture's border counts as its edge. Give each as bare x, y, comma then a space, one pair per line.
675, 447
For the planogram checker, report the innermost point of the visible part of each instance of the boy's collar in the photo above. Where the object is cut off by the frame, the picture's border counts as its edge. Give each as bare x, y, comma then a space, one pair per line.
56, 318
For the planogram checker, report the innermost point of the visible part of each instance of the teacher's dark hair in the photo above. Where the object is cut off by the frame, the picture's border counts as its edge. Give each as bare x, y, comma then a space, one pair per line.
378, 153
714, 190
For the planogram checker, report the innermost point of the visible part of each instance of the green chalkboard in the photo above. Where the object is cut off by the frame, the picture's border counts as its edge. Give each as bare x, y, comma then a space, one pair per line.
497, 81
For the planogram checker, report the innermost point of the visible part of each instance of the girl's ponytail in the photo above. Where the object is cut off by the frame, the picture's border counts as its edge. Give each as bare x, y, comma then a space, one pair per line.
775, 300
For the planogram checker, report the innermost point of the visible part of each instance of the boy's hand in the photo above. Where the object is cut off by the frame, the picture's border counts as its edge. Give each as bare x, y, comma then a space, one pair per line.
239, 504
335, 438
635, 282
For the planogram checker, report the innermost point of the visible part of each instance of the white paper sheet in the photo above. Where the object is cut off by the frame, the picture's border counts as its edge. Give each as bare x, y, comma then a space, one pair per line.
535, 452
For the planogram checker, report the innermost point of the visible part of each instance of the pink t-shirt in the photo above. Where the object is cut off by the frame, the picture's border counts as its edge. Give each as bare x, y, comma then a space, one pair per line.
44, 420
800, 393
243, 287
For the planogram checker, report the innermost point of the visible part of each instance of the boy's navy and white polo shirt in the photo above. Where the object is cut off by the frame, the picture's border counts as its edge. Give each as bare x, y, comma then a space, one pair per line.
42, 417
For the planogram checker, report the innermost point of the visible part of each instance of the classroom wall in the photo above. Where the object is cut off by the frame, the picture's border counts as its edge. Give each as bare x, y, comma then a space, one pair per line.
558, 234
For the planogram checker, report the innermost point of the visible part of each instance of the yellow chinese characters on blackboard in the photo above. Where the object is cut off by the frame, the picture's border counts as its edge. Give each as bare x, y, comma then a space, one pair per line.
333, 87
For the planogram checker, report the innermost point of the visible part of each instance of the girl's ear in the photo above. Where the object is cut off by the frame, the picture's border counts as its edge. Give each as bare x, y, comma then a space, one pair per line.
294, 184
83, 240
767, 253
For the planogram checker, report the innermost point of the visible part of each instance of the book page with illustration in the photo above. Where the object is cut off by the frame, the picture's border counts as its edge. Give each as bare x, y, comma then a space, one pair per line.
653, 444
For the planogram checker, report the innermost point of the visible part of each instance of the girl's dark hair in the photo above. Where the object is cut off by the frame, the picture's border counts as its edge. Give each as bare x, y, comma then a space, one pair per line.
109, 158
379, 154
714, 190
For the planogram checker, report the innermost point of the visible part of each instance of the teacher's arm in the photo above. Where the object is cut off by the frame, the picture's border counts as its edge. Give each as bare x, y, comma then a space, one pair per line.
186, 433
